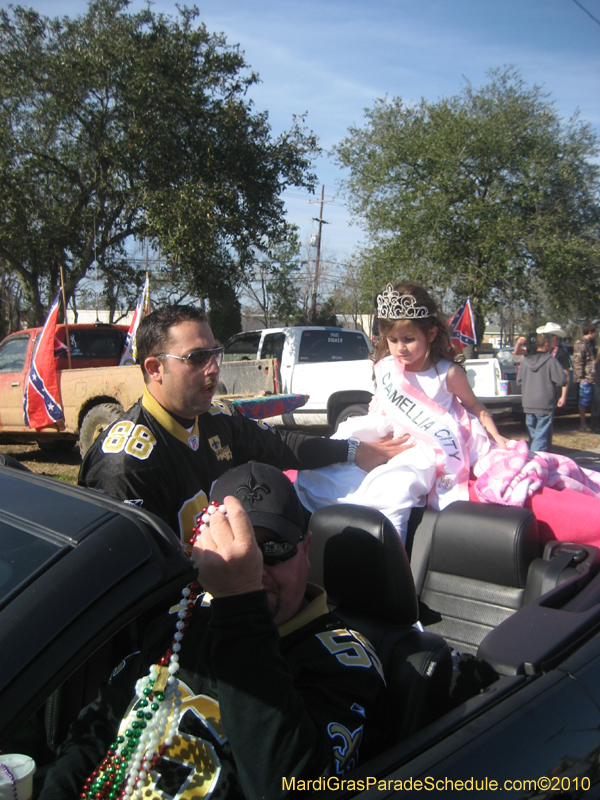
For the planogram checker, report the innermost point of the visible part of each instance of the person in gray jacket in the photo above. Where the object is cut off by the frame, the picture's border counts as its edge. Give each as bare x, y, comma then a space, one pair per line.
539, 377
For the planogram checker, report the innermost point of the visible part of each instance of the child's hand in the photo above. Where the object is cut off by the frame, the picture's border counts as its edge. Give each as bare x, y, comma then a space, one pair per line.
500, 440
488, 423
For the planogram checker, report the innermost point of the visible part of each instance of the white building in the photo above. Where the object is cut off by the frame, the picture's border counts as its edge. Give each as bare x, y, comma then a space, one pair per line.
89, 316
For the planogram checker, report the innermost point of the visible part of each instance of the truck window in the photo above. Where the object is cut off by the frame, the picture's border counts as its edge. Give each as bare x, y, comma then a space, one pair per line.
332, 345
242, 347
13, 354
96, 343
273, 346
508, 364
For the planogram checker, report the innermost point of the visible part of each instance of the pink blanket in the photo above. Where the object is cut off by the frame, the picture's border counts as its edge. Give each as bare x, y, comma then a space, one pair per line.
511, 476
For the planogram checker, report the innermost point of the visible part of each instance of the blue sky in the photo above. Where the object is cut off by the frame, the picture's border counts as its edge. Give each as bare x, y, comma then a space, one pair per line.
333, 58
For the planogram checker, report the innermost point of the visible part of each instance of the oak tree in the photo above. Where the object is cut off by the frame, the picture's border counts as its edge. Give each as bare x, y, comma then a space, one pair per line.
116, 125
487, 194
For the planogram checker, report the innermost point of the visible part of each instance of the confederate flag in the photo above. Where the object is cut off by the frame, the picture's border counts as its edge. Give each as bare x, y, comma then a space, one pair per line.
142, 309
462, 326
41, 401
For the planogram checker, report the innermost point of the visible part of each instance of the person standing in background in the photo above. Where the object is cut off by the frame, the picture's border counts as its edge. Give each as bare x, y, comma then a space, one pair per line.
538, 378
596, 407
584, 368
557, 349
519, 351
520, 346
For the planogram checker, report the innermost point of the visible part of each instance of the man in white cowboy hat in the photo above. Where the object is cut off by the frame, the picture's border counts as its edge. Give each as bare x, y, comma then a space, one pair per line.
556, 334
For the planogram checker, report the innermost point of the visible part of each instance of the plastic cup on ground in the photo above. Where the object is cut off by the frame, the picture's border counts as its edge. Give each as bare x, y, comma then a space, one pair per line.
16, 776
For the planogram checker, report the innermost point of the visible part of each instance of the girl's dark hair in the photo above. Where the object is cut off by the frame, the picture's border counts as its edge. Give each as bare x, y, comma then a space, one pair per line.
441, 346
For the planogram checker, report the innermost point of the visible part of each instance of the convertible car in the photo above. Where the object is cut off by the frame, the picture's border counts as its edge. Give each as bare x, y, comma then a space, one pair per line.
490, 638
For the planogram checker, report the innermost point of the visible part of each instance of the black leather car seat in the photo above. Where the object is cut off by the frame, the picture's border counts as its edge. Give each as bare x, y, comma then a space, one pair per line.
357, 555
476, 575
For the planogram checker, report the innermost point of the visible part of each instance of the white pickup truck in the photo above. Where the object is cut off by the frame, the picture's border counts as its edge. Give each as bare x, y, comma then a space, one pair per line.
334, 367
331, 365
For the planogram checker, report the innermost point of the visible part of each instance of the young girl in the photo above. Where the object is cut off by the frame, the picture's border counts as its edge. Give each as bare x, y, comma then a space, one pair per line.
421, 390
414, 335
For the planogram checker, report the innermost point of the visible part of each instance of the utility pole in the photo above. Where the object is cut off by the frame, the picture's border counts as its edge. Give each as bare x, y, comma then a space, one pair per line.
321, 221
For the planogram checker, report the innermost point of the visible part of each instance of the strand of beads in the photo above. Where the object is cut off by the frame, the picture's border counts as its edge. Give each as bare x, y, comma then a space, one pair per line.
11, 778
149, 727
203, 520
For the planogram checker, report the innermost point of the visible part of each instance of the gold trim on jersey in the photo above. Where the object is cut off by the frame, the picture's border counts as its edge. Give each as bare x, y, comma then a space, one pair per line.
171, 425
316, 607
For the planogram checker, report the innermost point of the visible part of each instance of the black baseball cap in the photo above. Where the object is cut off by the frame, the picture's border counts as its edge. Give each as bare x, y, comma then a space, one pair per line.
268, 497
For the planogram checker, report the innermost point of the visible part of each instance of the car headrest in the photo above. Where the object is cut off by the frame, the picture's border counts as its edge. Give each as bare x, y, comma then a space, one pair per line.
358, 556
490, 543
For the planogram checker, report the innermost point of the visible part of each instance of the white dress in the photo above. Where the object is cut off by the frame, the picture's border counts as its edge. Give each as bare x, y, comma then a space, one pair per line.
434, 471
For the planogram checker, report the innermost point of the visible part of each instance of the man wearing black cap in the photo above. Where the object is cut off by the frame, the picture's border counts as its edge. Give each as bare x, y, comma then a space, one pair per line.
271, 690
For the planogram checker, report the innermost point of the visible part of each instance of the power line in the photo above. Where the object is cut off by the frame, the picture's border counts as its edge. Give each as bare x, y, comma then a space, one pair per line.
296, 196
583, 8
291, 196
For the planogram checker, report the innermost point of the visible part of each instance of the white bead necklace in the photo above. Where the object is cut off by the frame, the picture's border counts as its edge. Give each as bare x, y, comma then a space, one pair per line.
125, 771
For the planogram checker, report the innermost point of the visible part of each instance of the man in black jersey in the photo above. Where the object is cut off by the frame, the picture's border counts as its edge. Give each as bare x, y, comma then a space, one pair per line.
167, 450
272, 689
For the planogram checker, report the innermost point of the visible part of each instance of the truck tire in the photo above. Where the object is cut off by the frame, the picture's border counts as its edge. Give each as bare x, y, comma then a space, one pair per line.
356, 410
95, 421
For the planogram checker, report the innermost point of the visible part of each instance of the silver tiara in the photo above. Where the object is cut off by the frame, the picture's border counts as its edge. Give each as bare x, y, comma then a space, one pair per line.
393, 305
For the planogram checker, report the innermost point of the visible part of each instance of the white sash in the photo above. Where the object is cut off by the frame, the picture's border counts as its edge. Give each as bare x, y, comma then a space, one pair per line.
428, 421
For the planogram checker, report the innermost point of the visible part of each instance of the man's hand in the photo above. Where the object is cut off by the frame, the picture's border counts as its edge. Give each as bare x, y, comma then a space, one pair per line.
373, 454
226, 554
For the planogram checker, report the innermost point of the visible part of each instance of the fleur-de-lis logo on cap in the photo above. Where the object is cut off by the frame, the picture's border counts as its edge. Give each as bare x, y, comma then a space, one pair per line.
252, 492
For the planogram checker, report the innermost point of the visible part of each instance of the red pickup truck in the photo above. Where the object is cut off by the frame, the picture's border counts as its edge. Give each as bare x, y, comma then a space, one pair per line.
94, 390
